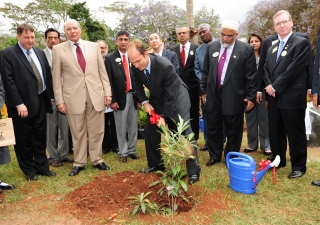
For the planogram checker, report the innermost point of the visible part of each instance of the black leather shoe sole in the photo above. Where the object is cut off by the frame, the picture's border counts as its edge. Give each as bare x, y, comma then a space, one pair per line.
101, 166
248, 150
75, 170
134, 156
211, 162
194, 178
296, 174
152, 169
316, 183
47, 174
6, 186
31, 177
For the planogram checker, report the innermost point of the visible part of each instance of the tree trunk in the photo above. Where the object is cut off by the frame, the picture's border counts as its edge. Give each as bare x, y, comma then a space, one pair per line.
190, 22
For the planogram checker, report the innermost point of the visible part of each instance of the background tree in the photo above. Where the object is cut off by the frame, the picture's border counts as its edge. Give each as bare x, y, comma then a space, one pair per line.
41, 14
259, 18
153, 16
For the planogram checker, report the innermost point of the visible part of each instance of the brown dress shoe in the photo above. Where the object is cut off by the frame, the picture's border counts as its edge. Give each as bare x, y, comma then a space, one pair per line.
67, 160
56, 163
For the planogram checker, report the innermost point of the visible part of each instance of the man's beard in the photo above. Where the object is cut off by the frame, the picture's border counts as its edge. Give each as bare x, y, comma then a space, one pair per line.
225, 45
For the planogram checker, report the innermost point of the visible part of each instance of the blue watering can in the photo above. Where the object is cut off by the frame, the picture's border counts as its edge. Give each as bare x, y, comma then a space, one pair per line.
242, 172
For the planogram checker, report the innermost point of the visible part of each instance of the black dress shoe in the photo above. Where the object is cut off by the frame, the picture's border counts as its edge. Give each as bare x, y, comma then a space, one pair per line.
152, 169
102, 166
271, 158
115, 149
133, 156
123, 159
47, 174
316, 183
75, 170
6, 186
267, 153
211, 162
204, 148
248, 150
296, 174
31, 177
193, 178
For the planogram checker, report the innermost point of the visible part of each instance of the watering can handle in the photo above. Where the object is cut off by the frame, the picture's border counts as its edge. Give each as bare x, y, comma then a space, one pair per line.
250, 159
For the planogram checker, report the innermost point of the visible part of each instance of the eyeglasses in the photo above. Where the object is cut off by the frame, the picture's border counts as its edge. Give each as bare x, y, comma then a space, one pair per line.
281, 23
229, 36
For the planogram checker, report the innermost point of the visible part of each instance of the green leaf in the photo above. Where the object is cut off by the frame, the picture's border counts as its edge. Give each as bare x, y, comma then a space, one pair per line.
183, 185
143, 208
135, 210
184, 198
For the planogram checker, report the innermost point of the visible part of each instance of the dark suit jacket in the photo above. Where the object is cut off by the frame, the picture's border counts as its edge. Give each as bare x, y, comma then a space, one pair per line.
187, 73
172, 57
288, 75
20, 82
117, 78
267, 43
239, 82
168, 94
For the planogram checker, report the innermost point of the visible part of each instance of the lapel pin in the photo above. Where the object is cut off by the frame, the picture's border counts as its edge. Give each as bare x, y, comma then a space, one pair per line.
283, 53
191, 52
215, 54
118, 60
234, 56
274, 50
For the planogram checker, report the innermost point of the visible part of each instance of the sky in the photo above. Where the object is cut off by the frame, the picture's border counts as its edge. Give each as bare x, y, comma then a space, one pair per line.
226, 9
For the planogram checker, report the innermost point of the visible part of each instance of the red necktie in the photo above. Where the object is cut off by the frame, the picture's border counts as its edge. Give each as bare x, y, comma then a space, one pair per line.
183, 56
80, 57
220, 68
126, 70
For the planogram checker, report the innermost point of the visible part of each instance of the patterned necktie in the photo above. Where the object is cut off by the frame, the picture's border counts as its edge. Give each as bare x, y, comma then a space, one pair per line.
126, 70
280, 49
220, 68
36, 72
147, 75
80, 57
183, 56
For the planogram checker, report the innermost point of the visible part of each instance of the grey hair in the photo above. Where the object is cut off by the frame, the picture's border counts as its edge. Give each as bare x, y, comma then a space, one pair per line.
207, 26
70, 21
183, 27
103, 42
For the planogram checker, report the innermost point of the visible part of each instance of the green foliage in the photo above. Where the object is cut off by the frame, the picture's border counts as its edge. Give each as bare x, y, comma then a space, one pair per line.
176, 148
7, 41
142, 117
143, 204
156, 16
92, 30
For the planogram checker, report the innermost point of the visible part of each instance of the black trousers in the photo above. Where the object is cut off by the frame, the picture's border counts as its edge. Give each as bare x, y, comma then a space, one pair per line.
233, 125
110, 135
153, 139
194, 116
289, 123
30, 136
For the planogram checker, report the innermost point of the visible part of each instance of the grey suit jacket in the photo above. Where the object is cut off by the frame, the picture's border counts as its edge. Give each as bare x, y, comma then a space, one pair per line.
239, 82
168, 94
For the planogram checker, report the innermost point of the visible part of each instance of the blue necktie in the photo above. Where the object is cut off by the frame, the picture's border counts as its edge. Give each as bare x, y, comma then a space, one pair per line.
147, 75
280, 49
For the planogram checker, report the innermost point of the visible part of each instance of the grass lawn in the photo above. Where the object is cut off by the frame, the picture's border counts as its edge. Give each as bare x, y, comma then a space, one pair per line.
293, 201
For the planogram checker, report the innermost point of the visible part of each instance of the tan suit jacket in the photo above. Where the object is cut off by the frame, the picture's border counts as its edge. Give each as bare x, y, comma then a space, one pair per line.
73, 91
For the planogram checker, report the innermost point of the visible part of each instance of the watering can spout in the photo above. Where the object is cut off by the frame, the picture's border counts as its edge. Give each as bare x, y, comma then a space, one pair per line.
275, 163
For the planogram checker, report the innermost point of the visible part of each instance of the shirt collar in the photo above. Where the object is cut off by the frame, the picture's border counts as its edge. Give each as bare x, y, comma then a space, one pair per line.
80, 42
149, 65
286, 38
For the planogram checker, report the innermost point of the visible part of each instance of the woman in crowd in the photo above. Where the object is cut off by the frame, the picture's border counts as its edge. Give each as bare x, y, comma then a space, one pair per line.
257, 118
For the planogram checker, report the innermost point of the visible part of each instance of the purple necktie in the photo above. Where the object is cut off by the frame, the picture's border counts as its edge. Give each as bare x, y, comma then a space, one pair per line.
220, 68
